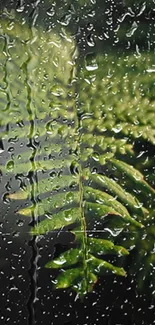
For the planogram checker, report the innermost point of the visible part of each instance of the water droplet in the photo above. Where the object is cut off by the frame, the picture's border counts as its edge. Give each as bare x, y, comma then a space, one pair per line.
114, 232
90, 62
14, 288
68, 216
7, 186
53, 174
20, 223
142, 9
95, 156
10, 166
117, 128
69, 197
6, 198
129, 13
1, 147
90, 40
92, 67
51, 12
13, 140
132, 30
20, 9
74, 168
61, 261
91, 13
90, 26
73, 185
49, 127
11, 149
16, 234
150, 70
65, 20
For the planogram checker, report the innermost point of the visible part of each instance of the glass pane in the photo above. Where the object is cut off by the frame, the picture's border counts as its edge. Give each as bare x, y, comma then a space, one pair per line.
77, 123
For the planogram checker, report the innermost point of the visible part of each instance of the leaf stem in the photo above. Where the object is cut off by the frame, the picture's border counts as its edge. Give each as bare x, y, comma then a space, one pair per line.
78, 134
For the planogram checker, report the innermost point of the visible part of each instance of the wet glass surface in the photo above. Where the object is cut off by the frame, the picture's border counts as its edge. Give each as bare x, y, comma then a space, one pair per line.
77, 124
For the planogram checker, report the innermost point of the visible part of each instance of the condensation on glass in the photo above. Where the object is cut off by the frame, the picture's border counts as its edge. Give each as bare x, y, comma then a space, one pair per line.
77, 174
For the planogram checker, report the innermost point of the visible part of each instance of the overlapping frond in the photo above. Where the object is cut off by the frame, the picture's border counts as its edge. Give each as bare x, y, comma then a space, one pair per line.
121, 92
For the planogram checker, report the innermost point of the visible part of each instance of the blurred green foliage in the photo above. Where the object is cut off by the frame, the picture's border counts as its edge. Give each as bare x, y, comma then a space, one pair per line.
121, 88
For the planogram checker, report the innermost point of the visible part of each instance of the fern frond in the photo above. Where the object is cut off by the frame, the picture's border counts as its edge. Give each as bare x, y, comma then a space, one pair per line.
65, 141
121, 94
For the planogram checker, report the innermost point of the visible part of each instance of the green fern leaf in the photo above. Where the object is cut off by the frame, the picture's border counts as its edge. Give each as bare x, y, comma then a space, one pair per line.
62, 142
